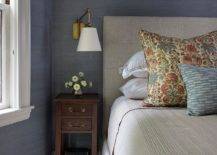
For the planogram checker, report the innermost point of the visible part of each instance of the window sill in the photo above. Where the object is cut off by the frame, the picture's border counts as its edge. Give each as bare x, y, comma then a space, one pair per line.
13, 115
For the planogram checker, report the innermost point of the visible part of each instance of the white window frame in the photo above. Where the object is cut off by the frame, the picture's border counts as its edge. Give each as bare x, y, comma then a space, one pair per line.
20, 64
5, 68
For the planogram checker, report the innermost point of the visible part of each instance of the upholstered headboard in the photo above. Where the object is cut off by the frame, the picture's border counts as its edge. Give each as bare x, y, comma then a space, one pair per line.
120, 41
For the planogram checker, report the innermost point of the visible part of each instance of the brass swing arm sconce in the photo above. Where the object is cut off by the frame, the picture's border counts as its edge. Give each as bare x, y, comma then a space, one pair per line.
79, 24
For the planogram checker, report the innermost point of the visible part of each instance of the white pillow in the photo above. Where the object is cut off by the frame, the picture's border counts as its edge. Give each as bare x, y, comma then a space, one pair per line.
135, 66
135, 88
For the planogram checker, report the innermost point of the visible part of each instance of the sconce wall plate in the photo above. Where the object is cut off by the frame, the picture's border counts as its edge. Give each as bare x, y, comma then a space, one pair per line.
76, 29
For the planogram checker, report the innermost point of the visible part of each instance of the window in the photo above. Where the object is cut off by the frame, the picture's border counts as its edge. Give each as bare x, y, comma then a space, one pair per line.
4, 56
14, 61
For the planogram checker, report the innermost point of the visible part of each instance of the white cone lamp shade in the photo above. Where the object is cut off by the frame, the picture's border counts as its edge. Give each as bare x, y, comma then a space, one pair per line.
89, 40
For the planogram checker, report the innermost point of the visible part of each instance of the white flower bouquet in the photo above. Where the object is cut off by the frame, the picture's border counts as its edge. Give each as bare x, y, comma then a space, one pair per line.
78, 82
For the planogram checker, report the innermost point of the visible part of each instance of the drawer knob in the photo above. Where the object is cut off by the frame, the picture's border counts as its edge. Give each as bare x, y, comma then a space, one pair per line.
83, 110
70, 109
70, 124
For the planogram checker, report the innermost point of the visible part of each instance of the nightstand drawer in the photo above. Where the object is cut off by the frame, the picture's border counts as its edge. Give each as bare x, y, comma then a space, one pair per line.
81, 124
76, 109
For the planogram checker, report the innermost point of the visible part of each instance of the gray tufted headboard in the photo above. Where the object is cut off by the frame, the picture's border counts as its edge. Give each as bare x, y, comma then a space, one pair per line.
120, 41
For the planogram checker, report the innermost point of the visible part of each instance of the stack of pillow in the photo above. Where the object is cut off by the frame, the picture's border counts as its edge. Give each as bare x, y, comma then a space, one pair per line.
135, 88
181, 71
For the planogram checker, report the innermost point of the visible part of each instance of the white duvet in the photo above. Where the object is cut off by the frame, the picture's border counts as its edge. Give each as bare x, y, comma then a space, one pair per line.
135, 130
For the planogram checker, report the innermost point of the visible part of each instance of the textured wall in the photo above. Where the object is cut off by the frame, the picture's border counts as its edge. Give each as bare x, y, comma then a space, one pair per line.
32, 137
65, 59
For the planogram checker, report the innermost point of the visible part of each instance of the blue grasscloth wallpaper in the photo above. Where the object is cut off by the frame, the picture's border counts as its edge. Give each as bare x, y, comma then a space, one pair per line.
58, 51
32, 137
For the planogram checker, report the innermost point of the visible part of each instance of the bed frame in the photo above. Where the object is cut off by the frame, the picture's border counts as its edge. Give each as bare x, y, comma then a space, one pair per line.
120, 41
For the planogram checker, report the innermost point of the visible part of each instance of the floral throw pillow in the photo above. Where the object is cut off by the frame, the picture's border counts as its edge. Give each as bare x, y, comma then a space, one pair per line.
163, 54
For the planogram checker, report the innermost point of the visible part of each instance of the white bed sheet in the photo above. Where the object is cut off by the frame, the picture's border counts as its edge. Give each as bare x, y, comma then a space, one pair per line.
121, 107
135, 130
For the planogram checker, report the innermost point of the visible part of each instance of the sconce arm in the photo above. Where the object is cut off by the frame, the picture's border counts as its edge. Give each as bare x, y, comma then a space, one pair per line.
89, 15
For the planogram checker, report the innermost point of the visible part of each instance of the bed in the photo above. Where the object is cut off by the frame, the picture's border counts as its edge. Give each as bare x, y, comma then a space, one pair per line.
132, 128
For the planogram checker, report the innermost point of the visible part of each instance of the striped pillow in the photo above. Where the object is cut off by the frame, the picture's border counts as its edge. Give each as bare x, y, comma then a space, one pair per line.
201, 86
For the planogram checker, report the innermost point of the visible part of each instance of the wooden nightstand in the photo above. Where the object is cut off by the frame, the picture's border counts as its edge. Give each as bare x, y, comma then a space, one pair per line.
76, 114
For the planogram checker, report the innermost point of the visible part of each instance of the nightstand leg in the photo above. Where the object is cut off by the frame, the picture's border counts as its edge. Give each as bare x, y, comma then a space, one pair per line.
58, 134
58, 143
94, 131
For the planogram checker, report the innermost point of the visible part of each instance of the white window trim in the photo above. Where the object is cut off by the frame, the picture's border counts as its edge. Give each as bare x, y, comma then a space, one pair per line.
20, 28
5, 56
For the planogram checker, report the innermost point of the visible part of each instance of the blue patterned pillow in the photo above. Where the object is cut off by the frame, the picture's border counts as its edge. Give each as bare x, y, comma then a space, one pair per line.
201, 85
